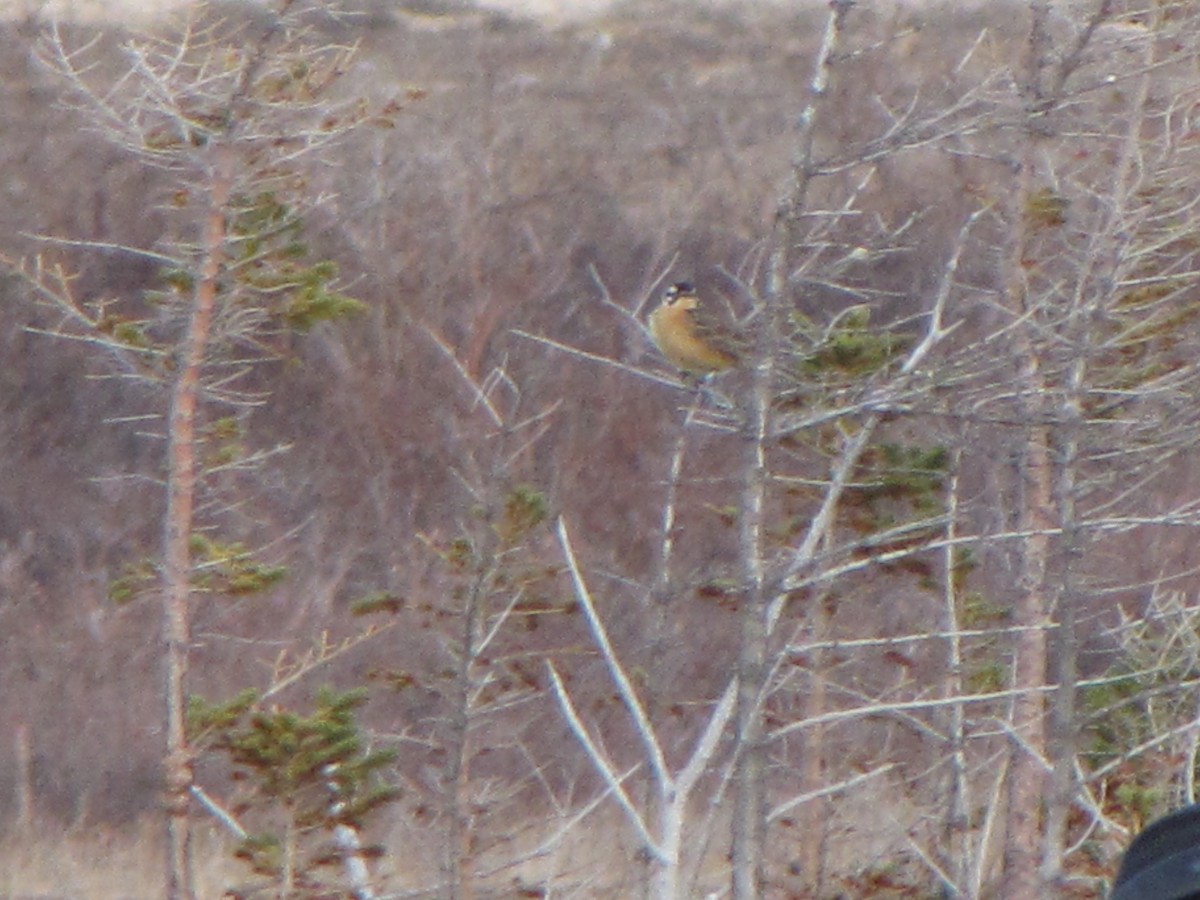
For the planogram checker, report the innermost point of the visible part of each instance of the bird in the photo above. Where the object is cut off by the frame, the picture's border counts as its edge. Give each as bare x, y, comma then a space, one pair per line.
688, 337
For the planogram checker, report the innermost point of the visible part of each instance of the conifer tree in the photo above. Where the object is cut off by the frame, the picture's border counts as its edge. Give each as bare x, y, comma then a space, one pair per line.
223, 118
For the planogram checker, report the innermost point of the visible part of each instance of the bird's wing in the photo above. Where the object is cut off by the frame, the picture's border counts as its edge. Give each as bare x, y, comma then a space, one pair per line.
718, 335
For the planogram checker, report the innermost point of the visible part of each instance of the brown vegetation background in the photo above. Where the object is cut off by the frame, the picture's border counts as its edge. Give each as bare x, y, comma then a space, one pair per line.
535, 175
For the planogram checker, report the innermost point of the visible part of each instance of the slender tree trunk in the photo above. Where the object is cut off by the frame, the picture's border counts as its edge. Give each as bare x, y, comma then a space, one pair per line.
177, 560
458, 773
1027, 782
813, 815
962, 861
1062, 734
749, 815
287, 878
1027, 774
663, 881
749, 812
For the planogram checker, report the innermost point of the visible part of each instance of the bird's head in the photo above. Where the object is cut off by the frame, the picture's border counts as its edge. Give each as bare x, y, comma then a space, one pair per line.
681, 295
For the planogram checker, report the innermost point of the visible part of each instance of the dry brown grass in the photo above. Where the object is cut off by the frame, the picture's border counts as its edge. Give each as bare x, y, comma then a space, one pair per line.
598, 859
104, 862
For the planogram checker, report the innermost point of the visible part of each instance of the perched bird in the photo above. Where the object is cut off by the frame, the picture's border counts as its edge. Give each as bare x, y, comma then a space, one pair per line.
689, 338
